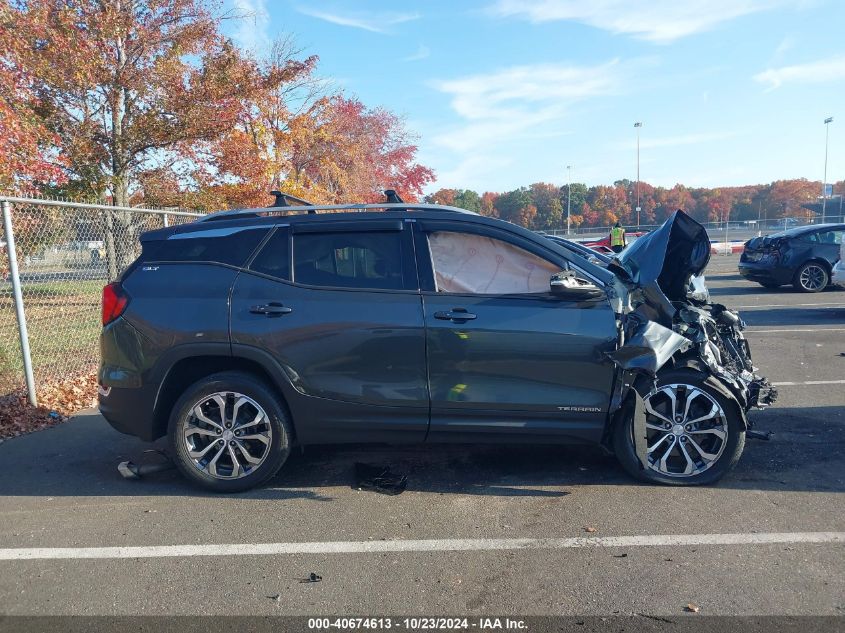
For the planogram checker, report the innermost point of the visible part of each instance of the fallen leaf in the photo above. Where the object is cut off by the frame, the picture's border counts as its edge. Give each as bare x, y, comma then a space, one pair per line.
590, 529
692, 608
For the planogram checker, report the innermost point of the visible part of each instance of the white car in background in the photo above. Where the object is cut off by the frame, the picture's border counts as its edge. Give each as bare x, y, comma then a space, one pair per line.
837, 275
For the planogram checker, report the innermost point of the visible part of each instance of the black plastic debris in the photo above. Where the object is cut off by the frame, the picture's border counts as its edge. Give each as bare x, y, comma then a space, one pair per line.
379, 479
312, 577
131, 470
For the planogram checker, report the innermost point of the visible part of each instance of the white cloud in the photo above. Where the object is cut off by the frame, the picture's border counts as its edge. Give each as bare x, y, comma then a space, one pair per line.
526, 91
423, 52
253, 26
375, 23
655, 20
820, 71
512, 105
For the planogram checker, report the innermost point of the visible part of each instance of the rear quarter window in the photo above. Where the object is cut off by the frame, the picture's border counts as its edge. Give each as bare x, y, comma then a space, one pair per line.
230, 246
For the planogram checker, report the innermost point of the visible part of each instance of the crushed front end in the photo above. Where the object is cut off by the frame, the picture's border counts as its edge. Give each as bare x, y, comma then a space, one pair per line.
667, 320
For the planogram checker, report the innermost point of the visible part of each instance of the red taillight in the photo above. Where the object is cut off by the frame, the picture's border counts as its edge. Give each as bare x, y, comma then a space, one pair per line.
115, 301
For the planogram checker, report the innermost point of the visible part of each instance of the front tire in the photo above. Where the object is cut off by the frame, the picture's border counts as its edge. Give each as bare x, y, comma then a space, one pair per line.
229, 432
695, 434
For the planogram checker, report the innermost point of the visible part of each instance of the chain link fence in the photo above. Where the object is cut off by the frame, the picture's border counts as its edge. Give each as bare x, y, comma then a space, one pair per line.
65, 253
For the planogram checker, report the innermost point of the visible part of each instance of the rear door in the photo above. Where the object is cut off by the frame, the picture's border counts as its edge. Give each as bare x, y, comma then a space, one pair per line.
829, 243
505, 356
337, 305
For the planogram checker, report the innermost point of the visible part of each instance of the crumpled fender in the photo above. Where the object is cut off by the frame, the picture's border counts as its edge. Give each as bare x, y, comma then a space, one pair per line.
648, 349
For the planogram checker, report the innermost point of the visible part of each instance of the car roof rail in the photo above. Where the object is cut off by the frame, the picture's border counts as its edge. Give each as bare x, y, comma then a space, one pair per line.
282, 205
329, 208
284, 200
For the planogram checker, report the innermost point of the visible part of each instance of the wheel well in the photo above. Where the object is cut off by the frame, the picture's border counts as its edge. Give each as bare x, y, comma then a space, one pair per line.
187, 371
815, 260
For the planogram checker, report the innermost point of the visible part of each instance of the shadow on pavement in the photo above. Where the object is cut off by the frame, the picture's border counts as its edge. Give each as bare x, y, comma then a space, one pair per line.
79, 459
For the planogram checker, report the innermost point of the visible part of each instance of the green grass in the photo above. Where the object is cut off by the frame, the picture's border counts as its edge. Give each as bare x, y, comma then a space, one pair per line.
63, 319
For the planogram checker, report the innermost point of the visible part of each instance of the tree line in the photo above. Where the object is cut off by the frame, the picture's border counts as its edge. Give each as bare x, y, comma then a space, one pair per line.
543, 206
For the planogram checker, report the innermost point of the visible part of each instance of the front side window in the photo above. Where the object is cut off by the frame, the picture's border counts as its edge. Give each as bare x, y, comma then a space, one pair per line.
349, 260
476, 264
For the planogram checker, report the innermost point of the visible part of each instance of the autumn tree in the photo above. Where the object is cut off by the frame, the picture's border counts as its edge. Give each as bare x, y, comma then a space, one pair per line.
29, 149
124, 83
546, 198
334, 151
488, 204
446, 197
356, 152
513, 206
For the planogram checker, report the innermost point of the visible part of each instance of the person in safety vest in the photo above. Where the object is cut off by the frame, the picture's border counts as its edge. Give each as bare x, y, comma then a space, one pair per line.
617, 238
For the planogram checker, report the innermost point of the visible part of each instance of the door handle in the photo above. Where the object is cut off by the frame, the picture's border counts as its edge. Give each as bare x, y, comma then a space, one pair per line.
274, 308
459, 315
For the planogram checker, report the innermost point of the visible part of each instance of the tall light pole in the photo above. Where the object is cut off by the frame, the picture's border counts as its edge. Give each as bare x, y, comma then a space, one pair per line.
568, 195
827, 123
638, 125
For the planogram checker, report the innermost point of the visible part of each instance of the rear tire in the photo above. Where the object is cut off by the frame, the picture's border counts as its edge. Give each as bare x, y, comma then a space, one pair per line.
721, 437
228, 432
811, 277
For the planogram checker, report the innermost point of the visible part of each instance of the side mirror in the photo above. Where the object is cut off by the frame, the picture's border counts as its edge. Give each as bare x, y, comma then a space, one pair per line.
566, 285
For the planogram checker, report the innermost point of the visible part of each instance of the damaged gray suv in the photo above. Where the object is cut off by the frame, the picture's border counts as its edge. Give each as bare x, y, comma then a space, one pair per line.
248, 332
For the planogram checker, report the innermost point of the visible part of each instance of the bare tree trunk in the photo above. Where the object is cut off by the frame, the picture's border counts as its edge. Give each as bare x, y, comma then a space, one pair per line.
121, 233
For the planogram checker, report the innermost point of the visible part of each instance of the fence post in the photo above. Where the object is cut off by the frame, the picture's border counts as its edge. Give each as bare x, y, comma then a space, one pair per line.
16, 289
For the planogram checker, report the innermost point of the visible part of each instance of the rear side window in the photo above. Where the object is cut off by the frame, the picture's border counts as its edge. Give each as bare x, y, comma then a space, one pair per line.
274, 258
831, 237
349, 260
230, 246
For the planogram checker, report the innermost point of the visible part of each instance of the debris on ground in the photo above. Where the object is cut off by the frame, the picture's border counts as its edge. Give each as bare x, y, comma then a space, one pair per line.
692, 608
131, 470
379, 479
57, 401
312, 577
590, 529
276, 597
620, 555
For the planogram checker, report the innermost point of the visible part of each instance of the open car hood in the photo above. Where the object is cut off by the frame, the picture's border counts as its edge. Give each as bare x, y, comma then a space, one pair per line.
669, 256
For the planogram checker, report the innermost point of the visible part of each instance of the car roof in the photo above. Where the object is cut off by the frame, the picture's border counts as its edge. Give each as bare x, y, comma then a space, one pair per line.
802, 230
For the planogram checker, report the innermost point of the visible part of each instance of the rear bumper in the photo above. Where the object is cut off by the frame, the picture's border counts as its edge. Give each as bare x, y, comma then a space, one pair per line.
765, 272
126, 400
129, 411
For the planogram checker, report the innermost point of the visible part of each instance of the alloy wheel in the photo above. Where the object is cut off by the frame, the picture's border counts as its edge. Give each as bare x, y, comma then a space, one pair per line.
227, 435
687, 430
813, 277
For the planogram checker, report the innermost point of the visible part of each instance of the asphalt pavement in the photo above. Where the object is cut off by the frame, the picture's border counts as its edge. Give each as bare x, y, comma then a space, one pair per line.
521, 530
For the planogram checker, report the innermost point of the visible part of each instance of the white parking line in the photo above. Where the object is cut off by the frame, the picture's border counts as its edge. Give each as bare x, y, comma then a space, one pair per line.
809, 382
794, 329
791, 305
434, 545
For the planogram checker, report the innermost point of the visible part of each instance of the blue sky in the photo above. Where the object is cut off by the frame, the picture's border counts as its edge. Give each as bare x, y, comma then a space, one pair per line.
504, 93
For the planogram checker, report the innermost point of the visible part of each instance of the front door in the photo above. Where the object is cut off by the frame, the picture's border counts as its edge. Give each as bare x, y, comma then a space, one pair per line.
505, 356
337, 306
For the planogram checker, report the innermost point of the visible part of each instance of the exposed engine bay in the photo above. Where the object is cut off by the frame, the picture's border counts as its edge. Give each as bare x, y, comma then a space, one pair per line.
666, 318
